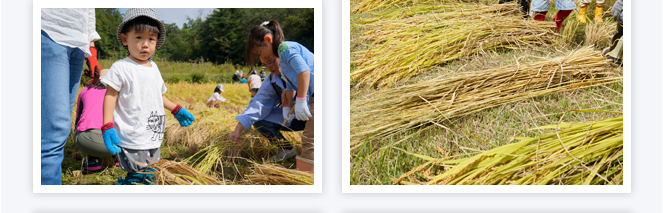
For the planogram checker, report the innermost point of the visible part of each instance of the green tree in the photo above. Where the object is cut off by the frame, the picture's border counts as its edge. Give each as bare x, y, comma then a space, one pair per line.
222, 36
107, 21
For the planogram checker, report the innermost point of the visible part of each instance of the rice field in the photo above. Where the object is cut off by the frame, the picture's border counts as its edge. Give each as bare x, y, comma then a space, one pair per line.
200, 154
483, 116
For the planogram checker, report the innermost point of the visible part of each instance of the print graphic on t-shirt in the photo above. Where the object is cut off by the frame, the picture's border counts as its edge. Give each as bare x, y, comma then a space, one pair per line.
156, 123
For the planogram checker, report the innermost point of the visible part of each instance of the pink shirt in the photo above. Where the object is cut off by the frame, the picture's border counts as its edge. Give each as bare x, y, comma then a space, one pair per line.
91, 116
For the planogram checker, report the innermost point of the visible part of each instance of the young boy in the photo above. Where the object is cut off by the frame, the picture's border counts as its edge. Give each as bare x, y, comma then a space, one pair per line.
134, 99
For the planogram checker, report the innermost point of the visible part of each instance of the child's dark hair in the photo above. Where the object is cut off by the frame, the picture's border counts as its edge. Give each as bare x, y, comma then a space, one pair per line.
97, 85
142, 23
217, 90
257, 36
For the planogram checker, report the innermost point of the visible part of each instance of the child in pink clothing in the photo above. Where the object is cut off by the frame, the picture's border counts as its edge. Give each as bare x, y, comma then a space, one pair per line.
89, 118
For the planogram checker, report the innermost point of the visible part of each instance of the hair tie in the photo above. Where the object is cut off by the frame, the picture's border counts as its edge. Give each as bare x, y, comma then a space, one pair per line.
265, 23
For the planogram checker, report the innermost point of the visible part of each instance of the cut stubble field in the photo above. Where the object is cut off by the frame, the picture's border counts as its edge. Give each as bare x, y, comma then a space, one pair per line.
383, 159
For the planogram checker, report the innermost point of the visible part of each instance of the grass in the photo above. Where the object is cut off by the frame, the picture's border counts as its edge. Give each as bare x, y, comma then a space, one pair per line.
379, 161
206, 72
211, 128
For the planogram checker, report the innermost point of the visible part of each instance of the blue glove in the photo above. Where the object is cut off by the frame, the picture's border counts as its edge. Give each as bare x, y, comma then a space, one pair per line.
110, 138
184, 117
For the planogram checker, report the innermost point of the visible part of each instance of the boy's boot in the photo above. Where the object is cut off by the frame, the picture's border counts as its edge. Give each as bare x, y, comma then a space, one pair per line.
598, 14
304, 165
581, 14
559, 19
540, 16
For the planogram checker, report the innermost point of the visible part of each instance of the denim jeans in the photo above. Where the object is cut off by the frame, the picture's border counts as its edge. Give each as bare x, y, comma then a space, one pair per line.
544, 5
272, 131
61, 69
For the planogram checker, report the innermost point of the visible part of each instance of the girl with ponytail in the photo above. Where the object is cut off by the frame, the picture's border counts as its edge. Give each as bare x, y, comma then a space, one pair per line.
294, 63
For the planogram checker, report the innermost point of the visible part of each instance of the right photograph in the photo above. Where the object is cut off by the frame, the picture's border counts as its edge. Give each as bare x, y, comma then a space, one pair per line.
488, 92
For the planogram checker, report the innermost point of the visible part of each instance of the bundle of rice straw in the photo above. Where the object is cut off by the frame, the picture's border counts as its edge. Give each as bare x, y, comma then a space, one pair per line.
571, 154
370, 5
179, 173
404, 48
265, 174
210, 158
436, 11
397, 110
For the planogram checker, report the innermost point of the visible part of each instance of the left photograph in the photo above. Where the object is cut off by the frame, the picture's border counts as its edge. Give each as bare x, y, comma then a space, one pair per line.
176, 96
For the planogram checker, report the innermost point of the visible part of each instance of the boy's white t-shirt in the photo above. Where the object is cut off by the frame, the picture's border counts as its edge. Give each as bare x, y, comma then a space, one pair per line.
140, 118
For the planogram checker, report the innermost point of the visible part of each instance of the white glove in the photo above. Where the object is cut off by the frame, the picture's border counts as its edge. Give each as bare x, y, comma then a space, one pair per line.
301, 110
286, 118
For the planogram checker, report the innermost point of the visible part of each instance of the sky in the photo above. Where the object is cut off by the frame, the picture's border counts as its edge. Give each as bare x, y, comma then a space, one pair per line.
178, 15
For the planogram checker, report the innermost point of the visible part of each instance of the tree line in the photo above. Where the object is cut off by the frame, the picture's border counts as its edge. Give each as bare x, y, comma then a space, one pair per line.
221, 37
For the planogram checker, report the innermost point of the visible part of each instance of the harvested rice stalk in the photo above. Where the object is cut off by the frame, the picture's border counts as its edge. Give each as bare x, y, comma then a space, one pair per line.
266, 174
599, 34
179, 173
397, 110
370, 5
405, 48
571, 154
210, 158
439, 12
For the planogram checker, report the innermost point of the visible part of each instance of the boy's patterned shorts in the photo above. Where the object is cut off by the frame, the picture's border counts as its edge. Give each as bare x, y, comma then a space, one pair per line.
129, 158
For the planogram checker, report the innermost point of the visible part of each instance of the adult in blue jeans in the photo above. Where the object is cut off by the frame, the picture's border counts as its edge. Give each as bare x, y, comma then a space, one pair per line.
265, 113
67, 39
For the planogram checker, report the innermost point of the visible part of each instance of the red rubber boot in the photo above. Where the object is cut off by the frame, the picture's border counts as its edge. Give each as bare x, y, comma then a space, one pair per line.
540, 16
559, 19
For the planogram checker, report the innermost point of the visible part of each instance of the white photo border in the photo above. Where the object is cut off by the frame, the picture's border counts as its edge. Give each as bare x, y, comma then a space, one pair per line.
347, 188
36, 98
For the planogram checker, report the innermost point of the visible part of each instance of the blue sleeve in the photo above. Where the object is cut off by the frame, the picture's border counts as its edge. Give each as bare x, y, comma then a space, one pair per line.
294, 60
260, 106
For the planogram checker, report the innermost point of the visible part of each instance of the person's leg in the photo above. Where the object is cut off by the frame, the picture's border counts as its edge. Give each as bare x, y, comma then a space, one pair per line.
616, 38
565, 8
540, 9
272, 131
582, 10
57, 104
134, 162
616, 53
134, 178
540, 16
305, 162
559, 18
599, 3
91, 142
524, 7
295, 126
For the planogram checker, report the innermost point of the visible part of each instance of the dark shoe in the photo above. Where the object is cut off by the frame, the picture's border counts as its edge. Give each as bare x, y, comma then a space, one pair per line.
284, 154
613, 60
92, 164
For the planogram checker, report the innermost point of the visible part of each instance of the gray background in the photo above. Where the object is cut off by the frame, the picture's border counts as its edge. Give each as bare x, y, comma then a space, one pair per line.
16, 137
